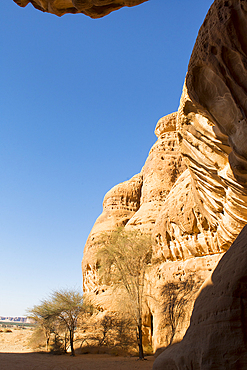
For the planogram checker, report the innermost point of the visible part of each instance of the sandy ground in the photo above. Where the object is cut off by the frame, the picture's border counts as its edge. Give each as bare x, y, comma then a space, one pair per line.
15, 342
16, 355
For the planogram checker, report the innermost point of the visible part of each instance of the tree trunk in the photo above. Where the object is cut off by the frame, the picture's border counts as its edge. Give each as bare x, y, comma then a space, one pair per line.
139, 338
71, 338
65, 343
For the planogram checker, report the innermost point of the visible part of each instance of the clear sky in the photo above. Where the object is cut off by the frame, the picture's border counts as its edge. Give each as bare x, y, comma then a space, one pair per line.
79, 101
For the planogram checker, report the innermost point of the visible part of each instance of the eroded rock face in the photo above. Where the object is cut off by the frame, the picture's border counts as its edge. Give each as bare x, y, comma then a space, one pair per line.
174, 271
212, 123
191, 194
193, 187
207, 207
92, 8
139, 203
216, 86
160, 172
136, 203
216, 338
208, 216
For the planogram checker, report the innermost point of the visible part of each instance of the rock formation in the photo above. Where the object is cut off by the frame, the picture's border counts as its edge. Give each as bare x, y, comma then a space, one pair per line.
213, 128
137, 202
193, 186
216, 338
92, 8
212, 119
141, 203
191, 194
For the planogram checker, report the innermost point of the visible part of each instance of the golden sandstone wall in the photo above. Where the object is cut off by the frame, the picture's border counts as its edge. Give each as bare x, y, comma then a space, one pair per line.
191, 194
141, 202
213, 128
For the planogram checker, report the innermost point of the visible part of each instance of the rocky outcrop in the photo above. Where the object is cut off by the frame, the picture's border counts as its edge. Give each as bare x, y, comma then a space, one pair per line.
160, 172
193, 186
136, 203
92, 8
139, 203
213, 128
216, 338
207, 207
212, 118
197, 268
191, 194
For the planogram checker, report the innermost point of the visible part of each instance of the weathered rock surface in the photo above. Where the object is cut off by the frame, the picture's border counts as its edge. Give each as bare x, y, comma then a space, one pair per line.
216, 338
200, 268
213, 127
160, 172
137, 202
119, 205
92, 8
191, 194
212, 119
193, 186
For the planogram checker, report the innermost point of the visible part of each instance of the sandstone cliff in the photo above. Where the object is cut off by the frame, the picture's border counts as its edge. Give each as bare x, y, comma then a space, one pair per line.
216, 338
92, 8
213, 127
142, 202
191, 194
138, 201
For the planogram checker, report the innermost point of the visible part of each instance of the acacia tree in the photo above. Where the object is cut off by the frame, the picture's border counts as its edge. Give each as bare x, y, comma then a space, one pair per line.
41, 314
177, 295
67, 305
123, 260
61, 310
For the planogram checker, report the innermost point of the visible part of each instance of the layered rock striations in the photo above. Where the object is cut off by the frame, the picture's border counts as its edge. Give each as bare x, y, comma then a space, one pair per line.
212, 118
213, 127
92, 8
193, 186
141, 202
191, 195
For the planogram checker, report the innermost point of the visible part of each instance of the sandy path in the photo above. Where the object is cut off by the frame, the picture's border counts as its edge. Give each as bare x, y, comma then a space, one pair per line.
36, 361
16, 355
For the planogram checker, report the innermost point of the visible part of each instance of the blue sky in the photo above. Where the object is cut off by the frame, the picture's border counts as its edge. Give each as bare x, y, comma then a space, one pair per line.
79, 101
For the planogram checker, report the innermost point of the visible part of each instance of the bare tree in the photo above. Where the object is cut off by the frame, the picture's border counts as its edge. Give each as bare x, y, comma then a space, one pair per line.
123, 260
177, 295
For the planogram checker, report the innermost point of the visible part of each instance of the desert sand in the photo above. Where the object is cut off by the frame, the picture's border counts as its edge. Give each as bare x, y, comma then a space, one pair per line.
16, 355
